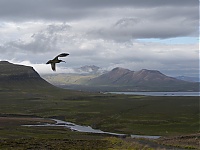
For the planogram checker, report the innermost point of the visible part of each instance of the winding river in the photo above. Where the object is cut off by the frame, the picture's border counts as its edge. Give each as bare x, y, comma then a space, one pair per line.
88, 129
79, 128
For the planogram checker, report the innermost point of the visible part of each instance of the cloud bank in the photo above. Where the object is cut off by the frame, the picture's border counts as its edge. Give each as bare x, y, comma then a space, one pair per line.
107, 33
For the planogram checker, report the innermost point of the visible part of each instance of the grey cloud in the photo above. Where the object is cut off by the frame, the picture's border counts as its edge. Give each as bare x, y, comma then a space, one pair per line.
154, 22
40, 42
133, 28
145, 19
99, 30
76, 9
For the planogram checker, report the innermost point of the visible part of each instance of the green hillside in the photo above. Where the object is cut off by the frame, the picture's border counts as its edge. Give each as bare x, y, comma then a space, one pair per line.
15, 77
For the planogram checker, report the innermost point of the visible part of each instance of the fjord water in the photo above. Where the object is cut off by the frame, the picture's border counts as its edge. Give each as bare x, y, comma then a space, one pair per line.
159, 93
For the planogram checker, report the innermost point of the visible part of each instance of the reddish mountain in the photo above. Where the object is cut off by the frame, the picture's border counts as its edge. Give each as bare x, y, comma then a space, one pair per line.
110, 77
124, 76
143, 80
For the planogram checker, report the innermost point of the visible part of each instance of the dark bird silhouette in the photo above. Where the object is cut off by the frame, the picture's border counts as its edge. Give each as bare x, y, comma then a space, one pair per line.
56, 60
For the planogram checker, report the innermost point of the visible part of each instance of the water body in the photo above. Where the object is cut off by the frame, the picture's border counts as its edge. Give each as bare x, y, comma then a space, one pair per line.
75, 127
145, 136
159, 93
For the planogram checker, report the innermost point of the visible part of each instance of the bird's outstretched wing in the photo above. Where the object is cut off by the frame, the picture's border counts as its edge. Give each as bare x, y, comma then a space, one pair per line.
53, 66
61, 55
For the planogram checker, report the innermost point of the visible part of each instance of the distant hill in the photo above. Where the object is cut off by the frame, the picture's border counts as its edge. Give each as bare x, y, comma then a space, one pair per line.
68, 79
121, 79
143, 80
190, 79
79, 76
89, 69
121, 76
14, 76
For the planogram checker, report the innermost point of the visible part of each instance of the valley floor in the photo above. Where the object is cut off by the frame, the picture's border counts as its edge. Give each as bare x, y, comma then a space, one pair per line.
176, 119
15, 136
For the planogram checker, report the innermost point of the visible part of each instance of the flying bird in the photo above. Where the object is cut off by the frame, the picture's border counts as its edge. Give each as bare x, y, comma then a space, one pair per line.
56, 60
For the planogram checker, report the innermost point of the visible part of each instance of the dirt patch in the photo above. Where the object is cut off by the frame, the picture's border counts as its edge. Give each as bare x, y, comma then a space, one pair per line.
187, 141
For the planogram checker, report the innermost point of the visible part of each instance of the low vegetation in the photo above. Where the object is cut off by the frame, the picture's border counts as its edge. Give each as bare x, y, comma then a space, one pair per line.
129, 114
14, 136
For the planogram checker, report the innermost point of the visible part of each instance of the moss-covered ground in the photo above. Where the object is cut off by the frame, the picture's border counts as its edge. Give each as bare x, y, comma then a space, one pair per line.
145, 115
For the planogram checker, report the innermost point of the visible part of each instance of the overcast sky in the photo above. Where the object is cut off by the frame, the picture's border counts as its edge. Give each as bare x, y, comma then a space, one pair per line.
135, 34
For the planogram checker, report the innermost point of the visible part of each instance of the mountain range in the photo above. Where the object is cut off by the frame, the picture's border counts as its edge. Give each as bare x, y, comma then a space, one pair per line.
96, 71
144, 80
14, 76
121, 76
190, 79
122, 79
89, 69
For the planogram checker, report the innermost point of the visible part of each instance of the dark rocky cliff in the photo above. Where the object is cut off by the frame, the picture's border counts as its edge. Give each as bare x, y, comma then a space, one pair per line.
19, 76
